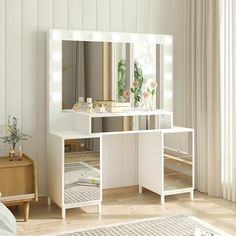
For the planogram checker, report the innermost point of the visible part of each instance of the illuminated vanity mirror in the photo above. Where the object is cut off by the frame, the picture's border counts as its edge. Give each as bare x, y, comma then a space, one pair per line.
107, 70
74, 73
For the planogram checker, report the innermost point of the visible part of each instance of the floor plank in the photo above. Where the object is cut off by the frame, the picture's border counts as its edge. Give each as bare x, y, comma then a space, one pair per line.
125, 204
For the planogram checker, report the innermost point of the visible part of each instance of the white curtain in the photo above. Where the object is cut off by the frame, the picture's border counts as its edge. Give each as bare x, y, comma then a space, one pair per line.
203, 91
228, 97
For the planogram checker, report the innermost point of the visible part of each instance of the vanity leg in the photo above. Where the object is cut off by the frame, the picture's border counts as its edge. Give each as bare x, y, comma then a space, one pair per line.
63, 213
140, 189
49, 201
162, 199
99, 208
191, 195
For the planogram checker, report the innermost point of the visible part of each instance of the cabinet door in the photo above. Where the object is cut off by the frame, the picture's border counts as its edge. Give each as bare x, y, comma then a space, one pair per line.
150, 164
178, 161
82, 170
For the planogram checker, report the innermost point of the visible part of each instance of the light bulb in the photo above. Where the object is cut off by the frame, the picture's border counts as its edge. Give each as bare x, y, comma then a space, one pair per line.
56, 35
134, 38
76, 35
115, 37
56, 97
168, 40
151, 39
168, 77
96, 36
56, 56
168, 59
168, 94
56, 76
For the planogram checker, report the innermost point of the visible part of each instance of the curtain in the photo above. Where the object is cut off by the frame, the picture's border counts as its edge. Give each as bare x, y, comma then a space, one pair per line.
228, 97
203, 91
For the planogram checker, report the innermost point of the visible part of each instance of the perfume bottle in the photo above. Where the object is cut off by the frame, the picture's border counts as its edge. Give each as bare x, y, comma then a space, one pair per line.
89, 104
81, 103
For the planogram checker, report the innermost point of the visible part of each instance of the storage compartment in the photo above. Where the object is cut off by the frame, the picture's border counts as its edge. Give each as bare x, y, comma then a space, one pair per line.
82, 167
178, 161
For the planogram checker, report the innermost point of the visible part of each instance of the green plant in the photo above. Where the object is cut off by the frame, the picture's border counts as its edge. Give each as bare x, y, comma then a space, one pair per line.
138, 83
14, 134
121, 79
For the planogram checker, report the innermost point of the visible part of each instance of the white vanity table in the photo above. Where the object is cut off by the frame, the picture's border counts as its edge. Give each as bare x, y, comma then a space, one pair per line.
84, 149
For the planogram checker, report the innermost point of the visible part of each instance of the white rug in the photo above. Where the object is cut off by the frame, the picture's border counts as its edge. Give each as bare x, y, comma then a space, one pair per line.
165, 226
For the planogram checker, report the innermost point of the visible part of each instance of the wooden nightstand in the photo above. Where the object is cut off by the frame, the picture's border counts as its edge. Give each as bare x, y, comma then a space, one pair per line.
18, 182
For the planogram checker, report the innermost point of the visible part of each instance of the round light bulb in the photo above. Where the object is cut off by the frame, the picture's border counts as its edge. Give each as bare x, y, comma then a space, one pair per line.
56, 76
56, 97
151, 39
134, 38
168, 40
168, 94
168, 76
168, 59
56, 35
56, 56
115, 37
97, 37
76, 35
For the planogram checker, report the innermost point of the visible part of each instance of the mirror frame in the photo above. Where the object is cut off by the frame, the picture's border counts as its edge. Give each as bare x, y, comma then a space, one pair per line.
55, 37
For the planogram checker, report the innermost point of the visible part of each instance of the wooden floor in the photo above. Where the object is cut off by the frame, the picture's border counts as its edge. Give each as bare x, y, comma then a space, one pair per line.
125, 204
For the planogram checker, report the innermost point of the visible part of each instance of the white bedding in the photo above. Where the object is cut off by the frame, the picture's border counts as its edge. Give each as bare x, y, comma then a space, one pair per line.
7, 222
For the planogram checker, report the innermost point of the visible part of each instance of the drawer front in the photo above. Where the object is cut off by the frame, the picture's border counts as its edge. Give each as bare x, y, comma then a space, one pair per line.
14, 181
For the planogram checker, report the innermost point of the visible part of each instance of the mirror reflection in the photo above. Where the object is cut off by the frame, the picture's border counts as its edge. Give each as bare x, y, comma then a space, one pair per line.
82, 170
120, 72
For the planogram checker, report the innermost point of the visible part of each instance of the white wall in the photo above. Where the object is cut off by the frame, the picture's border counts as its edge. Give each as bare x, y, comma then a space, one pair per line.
23, 65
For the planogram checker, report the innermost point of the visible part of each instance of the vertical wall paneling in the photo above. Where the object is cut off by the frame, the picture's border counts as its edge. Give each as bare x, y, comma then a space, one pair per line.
13, 59
143, 14
155, 13
103, 15
129, 160
75, 14
2, 72
173, 22
130, 15
89, 14
117, 15
60, 14
29, 76
45, 17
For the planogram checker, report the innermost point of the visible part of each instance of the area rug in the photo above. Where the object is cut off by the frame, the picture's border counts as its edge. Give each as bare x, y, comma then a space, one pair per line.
166, 226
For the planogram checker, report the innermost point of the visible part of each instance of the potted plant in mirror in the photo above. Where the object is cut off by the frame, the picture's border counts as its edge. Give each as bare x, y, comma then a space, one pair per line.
152, 92
13, 137
137, 84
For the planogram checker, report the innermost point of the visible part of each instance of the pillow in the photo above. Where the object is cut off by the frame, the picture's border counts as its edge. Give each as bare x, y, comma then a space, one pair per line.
7, 222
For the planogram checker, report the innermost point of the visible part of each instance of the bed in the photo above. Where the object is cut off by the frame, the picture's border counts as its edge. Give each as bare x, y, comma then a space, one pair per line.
7, 222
